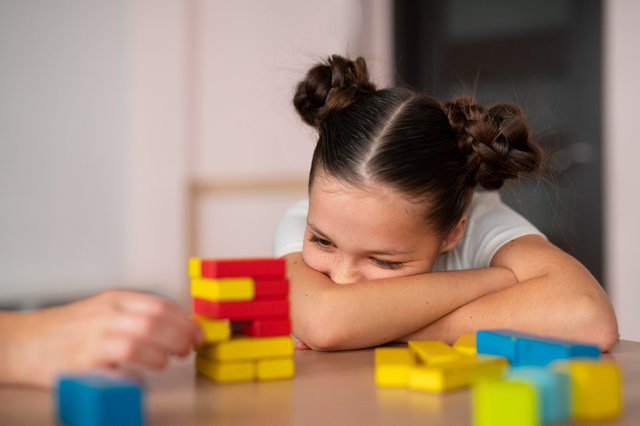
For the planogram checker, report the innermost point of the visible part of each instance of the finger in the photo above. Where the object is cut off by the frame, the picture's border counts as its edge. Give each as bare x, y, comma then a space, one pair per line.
155, 306
164, 332
124, 349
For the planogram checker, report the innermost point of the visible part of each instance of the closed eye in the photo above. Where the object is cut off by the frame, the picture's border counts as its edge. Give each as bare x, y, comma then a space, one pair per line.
385, 264
320, 242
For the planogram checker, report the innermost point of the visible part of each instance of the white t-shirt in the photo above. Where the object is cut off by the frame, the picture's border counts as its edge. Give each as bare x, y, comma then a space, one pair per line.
490, 225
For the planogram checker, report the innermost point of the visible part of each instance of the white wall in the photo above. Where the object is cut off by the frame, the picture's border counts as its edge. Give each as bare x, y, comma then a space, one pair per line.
63, 160
110, 112
622, 149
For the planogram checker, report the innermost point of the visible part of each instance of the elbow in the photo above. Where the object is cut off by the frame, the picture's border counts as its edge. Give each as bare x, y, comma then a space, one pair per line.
599, 325
325, 331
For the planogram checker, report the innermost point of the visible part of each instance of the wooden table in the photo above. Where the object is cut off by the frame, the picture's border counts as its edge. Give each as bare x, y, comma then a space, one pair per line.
332, 388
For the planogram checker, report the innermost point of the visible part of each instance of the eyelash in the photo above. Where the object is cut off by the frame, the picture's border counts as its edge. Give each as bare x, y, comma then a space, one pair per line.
320, 242
325, 244
386, 264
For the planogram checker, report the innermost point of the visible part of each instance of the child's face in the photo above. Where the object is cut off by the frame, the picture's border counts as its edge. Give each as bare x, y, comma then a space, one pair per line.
357, 233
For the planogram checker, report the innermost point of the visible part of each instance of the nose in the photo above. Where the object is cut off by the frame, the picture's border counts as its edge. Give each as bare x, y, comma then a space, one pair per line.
344, 271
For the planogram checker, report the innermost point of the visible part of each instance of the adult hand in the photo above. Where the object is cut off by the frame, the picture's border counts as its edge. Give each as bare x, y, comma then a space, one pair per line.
107, 330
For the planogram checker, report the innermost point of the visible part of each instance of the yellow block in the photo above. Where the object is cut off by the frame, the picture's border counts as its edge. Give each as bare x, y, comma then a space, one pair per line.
225, 372
223, 289
596, 388
194, 267
275, 368
456, 374
393, 366
214, 330
505, 403
248, 348
434, 352
466, 344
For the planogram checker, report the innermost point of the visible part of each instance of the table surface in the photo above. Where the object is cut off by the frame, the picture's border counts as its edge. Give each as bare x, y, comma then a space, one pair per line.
330, 388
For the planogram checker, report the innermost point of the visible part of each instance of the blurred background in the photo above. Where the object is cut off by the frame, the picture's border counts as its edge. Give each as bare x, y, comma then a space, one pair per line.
135, 134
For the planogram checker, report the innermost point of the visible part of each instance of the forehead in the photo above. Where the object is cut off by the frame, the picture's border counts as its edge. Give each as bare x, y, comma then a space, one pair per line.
370, 216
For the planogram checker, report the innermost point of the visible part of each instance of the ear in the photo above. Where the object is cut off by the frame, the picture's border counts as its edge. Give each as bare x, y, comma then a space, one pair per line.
453, 237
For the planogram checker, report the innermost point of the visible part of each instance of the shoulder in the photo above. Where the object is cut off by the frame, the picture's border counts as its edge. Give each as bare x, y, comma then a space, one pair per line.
289, 234
490, 225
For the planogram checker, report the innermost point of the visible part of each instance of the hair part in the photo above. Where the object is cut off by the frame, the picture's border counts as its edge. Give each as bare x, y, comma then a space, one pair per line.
435, 153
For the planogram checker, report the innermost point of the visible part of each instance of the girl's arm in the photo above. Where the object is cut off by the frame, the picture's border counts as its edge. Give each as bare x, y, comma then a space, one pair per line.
556, 296
329, 316
106, 330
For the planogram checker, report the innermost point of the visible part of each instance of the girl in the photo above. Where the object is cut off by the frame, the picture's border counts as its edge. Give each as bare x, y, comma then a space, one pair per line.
393, 209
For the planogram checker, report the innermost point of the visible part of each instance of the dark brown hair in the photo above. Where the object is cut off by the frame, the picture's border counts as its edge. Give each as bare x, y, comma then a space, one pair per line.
434, 152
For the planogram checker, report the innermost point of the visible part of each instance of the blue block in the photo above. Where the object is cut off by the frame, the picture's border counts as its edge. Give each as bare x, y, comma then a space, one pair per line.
95, 400
543, 351
553, 390
498, 342
526, 349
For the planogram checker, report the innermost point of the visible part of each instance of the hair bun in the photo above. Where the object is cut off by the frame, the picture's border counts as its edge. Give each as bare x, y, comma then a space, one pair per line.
496, 143
331, 86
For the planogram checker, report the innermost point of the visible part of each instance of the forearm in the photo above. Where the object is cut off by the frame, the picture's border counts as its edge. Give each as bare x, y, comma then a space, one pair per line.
330, 316
565, 305
12, 340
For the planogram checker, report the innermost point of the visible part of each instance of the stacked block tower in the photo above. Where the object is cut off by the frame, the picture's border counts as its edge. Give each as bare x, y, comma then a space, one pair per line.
243, 307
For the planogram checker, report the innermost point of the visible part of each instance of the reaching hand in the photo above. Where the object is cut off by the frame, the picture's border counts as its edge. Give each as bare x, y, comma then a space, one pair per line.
106, 330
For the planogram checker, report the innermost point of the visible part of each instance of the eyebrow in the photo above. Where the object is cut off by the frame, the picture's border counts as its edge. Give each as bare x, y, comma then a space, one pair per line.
374, 252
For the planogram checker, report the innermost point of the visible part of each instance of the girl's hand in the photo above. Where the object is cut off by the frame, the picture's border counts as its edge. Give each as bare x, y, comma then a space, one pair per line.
107, 330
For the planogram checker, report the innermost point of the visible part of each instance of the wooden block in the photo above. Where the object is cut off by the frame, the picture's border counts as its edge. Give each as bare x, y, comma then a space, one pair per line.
225, 372
91, 399
271, 268
275, 369
596, 388
272, 289
498, 342
553, 390
505, 403
237, 311
526, 349
223, 289
433, 352
249, 348
214, 330
267, 328
456, 374
466, 344
543, 351
393, 366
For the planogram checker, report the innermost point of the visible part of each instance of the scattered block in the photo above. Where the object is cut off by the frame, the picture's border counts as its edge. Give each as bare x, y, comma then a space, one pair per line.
456, 374
257, 309
393, 366
214, 330
231, 268
466, 344
433, 352
223, 289
505, 403
267, 328
249, 348
543, 351
225, 372
526, 349
596, 388
275, 369
553, 390
95, 400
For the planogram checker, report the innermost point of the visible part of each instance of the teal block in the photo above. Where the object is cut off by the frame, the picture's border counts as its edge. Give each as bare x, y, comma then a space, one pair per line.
532, 350
97, 400
553, 389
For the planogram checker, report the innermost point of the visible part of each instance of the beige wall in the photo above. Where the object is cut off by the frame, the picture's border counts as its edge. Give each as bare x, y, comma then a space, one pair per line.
622, 151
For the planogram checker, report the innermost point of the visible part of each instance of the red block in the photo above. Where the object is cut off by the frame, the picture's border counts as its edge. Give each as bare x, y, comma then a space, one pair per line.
257, 309
268, 328
230, 268
271, 288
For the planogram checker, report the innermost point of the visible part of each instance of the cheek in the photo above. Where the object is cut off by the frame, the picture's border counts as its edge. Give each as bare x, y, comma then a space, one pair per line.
315, 258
